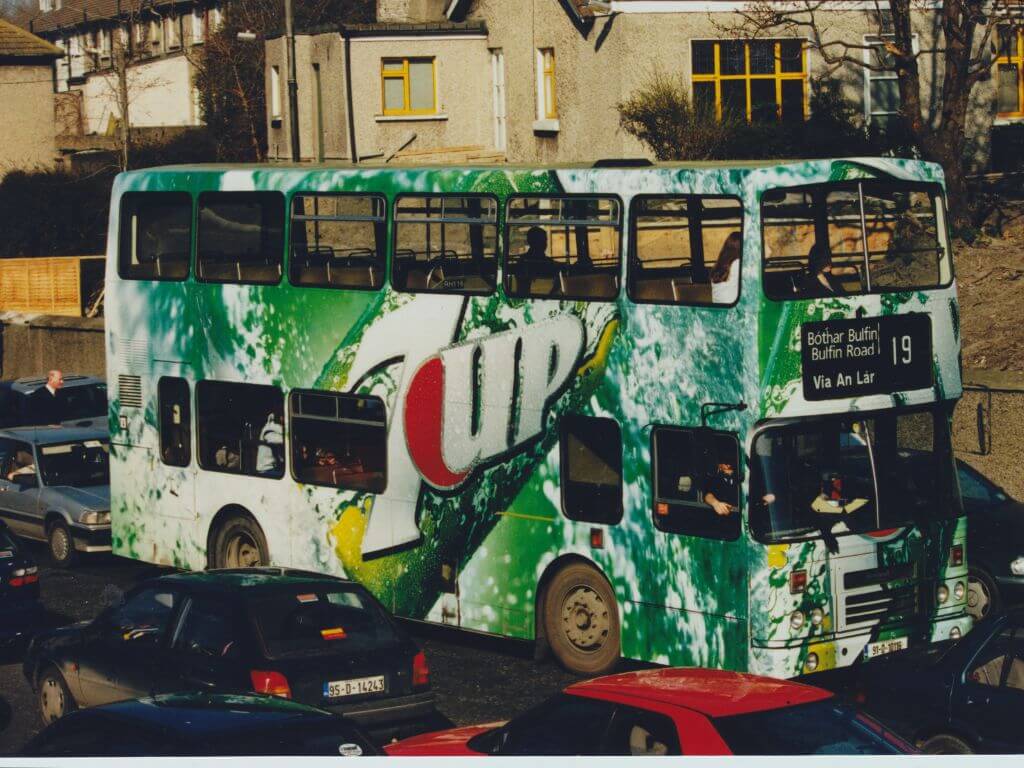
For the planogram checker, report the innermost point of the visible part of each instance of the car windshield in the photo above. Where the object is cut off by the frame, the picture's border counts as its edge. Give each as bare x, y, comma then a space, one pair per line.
819, 728
322, 622
852, 474
77, 464
87, 401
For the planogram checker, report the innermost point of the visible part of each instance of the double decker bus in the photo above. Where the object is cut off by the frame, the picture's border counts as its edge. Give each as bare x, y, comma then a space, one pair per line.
691, 414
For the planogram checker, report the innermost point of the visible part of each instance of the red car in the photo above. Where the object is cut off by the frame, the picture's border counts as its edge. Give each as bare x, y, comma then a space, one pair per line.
673, 712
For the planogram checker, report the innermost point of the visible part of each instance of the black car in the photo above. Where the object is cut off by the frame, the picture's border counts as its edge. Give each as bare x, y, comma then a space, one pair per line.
201, 725
316, 639
954, 696
995, 541
84, 398
20, 611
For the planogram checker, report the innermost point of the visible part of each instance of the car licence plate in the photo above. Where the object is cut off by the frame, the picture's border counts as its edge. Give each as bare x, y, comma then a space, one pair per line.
882, 647
338, 688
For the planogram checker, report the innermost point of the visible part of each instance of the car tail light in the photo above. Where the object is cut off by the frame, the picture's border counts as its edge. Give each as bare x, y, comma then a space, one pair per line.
420, 671
24, 576
797, 582
956, 555
272, 683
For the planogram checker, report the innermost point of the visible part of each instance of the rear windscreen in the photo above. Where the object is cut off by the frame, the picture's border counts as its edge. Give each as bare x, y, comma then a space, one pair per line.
321, 622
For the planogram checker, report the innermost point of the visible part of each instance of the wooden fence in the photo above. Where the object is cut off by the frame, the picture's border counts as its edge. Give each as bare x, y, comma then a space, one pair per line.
57, 285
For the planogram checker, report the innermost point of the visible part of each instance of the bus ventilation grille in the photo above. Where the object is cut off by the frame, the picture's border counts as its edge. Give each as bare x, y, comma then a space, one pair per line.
129, 390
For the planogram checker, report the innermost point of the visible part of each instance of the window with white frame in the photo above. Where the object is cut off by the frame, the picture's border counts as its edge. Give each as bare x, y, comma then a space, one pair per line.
172, 33
881, 86
154, 35
275, 92
198, 26
216, 18
104, 40
547, 101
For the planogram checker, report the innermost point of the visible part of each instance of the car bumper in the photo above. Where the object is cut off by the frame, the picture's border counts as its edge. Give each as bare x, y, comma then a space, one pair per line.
1011, 585
91, 538
391, 718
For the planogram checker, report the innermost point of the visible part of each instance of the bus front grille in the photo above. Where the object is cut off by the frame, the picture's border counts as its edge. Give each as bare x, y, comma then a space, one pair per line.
882, 604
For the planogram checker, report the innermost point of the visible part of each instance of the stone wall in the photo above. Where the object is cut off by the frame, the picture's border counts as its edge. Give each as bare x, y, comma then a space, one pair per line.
988, 424
32, 345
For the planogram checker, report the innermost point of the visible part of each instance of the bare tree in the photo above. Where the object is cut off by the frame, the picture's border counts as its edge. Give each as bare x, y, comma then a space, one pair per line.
18, 11
964, 31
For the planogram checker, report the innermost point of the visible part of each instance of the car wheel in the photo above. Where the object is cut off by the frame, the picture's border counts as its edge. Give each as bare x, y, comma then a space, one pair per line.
982, 594
240, 543
55, 700
945, 744
581, 618
62, 546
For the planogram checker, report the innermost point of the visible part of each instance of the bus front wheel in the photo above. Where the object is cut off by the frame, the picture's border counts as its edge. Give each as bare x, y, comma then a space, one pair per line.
582, 620
239, 543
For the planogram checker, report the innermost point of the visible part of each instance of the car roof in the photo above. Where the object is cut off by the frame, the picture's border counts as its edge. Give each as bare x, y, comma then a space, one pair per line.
252, 579
192, 715
50, 435
713, 692
31, 383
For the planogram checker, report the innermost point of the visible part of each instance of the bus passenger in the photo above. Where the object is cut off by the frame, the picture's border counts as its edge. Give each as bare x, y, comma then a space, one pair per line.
271, 440
817, 280
536, 262
725, 280
720, 489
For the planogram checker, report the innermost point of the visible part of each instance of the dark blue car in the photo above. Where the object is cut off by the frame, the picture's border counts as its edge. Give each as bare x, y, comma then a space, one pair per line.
20, 611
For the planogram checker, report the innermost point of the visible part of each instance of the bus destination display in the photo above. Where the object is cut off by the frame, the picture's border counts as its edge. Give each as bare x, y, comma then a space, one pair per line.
866, 356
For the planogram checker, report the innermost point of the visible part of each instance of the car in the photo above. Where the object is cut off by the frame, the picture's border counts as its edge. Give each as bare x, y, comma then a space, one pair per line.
84, 398
672, 711
995, 537
315, 639
55, 487
20, 611
201, 725
956, 696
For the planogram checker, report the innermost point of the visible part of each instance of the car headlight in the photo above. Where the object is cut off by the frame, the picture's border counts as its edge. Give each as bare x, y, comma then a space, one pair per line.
817, 616
1017, 567
942, 594
96, 518
959, 591
796, 620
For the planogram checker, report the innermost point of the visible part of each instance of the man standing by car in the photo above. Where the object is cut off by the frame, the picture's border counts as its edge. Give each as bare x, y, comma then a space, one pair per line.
47, 402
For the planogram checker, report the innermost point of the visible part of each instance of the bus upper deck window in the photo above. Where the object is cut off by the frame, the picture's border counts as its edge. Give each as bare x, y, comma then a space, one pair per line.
852, 238
563, 247
446, 244
337, 241
156, 236
241, 237
686, 250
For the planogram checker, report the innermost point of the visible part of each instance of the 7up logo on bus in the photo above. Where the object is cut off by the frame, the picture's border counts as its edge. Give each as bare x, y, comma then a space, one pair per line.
457, 407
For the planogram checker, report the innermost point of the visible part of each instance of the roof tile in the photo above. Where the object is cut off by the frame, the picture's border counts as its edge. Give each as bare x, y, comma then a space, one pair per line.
16, 42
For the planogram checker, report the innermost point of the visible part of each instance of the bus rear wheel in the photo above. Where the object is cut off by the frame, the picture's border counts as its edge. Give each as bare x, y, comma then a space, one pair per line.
240, 543
581, 619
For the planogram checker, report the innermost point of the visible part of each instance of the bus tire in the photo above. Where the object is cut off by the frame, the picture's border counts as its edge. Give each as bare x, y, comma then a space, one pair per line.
945, 744
239, 543
983, 597
581, 620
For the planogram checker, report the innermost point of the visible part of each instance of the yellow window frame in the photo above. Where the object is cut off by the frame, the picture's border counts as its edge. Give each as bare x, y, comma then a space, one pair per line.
403, 75
778, 76
547, 57
1014, 57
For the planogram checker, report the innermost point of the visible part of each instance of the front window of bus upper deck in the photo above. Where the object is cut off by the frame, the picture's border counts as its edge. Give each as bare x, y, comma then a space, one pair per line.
337, 241
446, 244
830, 477
563, 247
854, 238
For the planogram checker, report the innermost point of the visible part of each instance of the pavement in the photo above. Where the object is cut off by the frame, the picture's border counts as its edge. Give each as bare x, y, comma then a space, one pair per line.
477, 678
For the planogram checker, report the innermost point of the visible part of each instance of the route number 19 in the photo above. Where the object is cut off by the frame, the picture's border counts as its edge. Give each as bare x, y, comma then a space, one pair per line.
901, 353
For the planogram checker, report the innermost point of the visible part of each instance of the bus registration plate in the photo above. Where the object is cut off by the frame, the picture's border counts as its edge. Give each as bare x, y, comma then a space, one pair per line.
882, 647
338, 688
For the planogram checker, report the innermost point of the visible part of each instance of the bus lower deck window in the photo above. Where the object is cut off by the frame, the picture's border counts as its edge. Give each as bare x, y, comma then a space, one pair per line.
174, 403
445, 244
156, 236
686, 250
696, 482
591, 451
240, 428
240, 237
563, 247
338, 241
339, 440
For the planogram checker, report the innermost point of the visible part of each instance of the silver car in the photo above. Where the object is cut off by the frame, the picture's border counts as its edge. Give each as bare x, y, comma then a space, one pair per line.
55, 487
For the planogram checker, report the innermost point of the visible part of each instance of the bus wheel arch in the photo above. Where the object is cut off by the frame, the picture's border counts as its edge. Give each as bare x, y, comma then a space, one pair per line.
236, 540
577, 616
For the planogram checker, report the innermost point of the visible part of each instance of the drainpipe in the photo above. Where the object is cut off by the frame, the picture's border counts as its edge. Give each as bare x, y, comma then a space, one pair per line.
293, 86
348, 100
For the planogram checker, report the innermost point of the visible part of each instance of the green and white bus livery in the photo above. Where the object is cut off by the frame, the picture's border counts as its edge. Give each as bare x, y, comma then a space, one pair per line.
691, 414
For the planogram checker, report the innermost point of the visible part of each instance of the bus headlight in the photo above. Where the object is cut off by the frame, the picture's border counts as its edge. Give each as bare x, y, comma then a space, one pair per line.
796, 620
959, 591
1017, 567
817, 616
96, 518
942, 594
954, 633
811, 662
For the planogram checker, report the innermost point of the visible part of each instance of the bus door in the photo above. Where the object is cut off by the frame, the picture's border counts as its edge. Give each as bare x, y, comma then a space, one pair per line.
174, 471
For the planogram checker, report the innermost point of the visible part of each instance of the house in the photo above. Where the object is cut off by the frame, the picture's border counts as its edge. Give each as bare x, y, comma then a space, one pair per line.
539, 81
159, 38
26, 91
